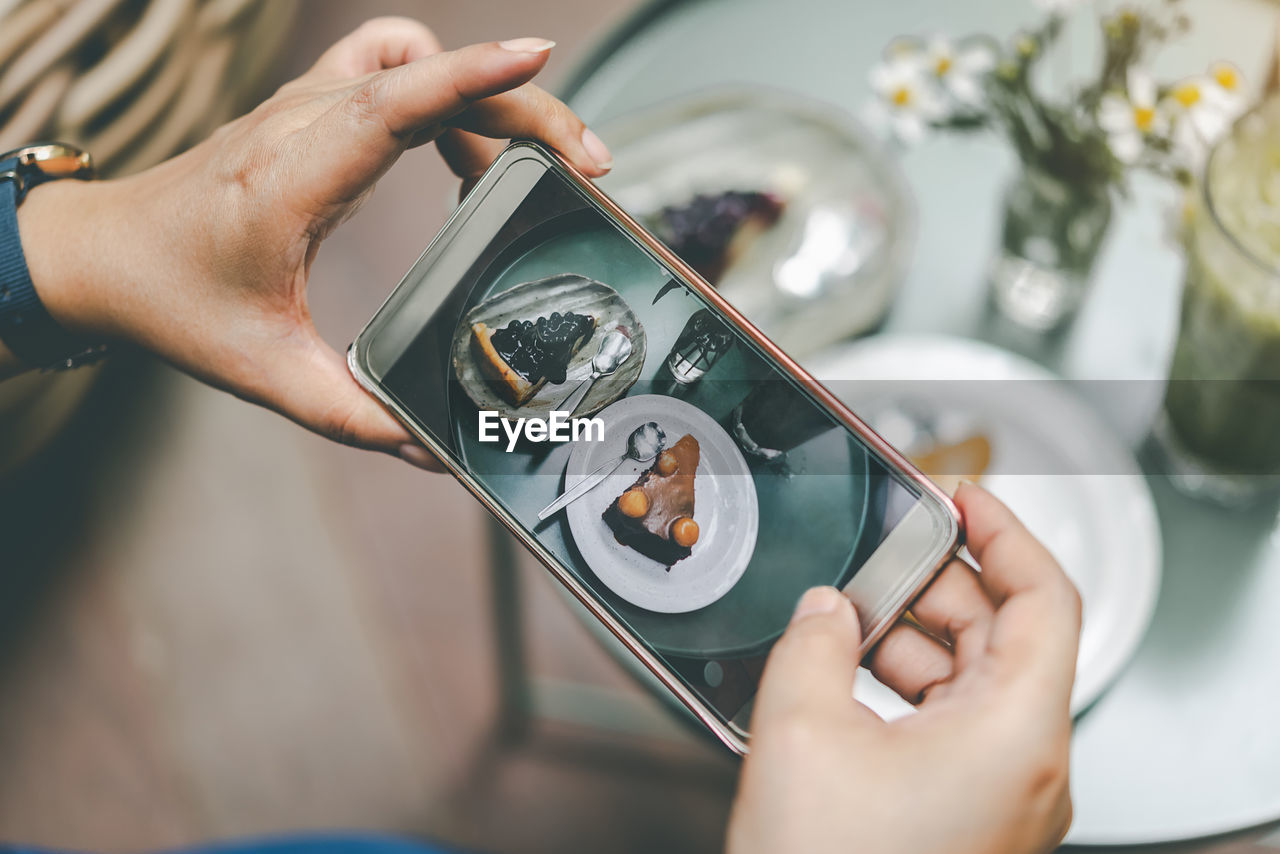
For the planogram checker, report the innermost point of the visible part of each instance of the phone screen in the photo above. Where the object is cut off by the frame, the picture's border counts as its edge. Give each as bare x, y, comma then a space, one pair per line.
758, 492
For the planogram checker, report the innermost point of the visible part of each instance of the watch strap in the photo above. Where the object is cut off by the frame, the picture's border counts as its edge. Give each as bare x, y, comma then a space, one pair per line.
26, 327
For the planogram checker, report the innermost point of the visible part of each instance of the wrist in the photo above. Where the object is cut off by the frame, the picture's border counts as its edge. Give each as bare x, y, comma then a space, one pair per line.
60, 225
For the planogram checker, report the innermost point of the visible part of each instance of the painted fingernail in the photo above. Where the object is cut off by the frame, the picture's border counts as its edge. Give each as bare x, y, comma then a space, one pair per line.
596, 149
819, 600
527, 45
416, 455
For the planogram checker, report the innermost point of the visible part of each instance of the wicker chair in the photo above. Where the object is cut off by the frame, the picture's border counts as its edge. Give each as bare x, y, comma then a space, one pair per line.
134, 82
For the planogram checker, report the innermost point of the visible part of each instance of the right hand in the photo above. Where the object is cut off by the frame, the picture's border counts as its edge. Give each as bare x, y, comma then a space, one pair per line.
981, 768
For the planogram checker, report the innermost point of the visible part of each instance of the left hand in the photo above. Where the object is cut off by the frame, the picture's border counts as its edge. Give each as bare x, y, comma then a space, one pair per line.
204, 259
983, 766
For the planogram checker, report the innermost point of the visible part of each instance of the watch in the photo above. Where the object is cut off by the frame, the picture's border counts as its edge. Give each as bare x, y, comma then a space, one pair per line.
26, 327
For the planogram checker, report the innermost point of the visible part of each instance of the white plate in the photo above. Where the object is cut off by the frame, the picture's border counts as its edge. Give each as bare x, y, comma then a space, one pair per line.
725, 509
1054, 463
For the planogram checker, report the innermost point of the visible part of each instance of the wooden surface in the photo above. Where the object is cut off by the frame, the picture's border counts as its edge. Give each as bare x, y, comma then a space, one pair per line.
213, 624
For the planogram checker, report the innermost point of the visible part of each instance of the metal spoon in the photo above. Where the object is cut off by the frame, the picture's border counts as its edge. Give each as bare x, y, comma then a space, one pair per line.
615, 348
644, 444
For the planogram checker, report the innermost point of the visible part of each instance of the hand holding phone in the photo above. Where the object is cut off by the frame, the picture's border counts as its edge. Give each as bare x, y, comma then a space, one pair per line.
204, 259
981, 767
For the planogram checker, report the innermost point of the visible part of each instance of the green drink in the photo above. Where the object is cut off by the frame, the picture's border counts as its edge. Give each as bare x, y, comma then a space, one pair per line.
1222, 430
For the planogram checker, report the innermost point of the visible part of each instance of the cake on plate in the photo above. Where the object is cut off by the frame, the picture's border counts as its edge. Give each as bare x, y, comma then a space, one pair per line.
520, 358
712, 229
655, 515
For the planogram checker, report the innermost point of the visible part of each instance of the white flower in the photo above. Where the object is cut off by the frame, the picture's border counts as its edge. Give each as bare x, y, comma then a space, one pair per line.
1197, 120
1058, 7
1190, 102
907, 99
1202, 110
1227, 90
1130, 119
959, 69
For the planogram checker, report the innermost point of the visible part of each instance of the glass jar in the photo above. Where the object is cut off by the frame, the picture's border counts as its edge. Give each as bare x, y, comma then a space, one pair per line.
1053, 231
1220, 429
702, 342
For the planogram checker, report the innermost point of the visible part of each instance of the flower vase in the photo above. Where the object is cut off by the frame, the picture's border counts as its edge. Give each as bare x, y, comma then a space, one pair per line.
1053, 231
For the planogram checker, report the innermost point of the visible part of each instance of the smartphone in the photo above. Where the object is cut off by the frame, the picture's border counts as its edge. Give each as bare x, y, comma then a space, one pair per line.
545, 342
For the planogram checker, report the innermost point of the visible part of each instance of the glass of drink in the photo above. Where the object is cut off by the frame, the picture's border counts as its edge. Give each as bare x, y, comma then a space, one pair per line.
702, 342
1220, 429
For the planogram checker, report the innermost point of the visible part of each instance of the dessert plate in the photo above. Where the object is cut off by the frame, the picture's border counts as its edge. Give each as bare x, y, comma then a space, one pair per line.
1053, 461
726, 510
562, 292
825, 270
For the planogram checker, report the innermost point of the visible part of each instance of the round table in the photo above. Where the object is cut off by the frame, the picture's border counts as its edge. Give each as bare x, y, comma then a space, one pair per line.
1184, 744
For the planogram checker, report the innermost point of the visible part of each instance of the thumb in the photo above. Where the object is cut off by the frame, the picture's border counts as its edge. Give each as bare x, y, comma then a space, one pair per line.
811, 669
313, 387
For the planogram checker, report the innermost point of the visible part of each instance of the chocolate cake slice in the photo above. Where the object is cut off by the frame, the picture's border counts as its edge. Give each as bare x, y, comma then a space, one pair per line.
655, 515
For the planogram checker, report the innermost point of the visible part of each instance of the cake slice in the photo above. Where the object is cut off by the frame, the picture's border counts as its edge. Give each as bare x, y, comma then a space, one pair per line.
523, 356
655, 515
712, 229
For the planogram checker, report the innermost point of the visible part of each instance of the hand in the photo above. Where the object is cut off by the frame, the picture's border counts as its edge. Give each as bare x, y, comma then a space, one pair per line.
981, 768
204, 259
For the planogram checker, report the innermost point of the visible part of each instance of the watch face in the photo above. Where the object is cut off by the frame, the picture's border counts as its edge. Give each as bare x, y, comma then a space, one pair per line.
53, 160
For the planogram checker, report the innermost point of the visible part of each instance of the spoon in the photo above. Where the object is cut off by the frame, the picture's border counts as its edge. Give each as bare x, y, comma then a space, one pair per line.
615, 348
644, 444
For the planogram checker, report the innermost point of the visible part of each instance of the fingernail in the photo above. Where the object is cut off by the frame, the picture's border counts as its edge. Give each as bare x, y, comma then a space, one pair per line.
819, 600
416, 455
527, 45
596, 149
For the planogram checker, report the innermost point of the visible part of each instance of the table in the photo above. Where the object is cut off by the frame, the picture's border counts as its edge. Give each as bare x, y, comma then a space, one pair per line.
1183, 745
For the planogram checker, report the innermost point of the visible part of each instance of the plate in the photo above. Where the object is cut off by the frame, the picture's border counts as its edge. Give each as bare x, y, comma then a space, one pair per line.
727, 511
529, 300
829, 267
1053, 462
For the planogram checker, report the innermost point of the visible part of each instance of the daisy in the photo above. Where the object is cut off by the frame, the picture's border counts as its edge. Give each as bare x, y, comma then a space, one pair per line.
908, 99
1227, 90
959, 69
1130, 119
1195, 121
1202, 111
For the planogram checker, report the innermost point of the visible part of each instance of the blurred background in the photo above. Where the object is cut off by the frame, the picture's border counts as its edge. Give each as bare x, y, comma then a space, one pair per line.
214, 625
